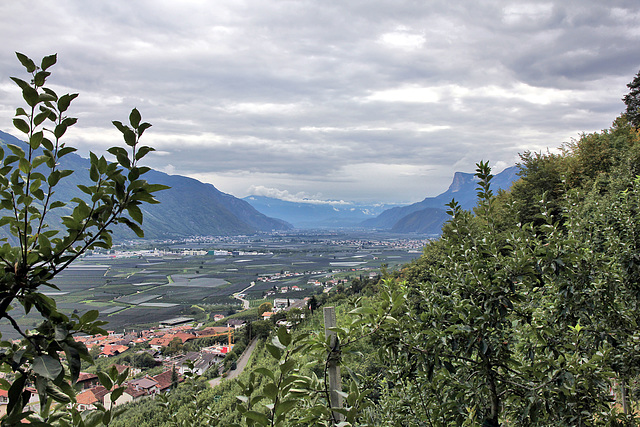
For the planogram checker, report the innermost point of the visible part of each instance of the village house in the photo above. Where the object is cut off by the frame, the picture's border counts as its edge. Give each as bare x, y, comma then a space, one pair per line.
88, 399
87, 380
235, 323
112, 350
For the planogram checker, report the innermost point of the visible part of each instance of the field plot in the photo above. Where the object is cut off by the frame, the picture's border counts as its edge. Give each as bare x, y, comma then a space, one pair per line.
139, 289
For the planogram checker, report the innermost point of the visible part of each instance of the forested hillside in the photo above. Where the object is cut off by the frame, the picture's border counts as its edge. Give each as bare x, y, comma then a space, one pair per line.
525, 312
188, 207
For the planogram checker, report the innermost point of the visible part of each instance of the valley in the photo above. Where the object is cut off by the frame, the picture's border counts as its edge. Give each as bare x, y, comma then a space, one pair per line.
143, 283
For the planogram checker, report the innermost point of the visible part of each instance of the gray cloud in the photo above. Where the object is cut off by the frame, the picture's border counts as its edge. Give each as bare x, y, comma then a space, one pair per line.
356, 100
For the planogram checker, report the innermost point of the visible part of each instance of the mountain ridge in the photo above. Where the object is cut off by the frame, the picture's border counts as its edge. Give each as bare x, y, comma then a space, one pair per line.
419, 217
188, 208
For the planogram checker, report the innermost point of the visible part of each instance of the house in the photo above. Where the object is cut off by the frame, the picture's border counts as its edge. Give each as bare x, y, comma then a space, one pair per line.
146, 384
87, 380
235, 323
87, 399
164, 380
159, 342
4, 400
282, 303
129, 395
201, 362
204, 362
266, 315
184, 336
112, 350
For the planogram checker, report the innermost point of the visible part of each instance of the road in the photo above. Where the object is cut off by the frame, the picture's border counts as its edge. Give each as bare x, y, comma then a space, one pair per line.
245, 303
240, 364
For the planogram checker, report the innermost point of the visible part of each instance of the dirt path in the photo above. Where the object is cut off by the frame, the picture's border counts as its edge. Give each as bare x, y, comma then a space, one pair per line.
240, 364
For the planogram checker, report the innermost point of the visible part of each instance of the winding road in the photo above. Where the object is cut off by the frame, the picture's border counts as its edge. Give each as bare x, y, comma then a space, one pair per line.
240, 364
245, 303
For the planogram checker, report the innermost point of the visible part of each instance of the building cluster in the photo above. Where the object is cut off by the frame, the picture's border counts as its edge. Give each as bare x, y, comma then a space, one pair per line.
147, 386
198, 362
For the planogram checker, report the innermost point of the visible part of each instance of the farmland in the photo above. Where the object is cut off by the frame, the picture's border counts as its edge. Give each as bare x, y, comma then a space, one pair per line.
147, 282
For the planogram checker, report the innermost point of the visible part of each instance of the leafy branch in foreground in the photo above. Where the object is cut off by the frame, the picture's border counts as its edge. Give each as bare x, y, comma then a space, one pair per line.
34, 252
293, 394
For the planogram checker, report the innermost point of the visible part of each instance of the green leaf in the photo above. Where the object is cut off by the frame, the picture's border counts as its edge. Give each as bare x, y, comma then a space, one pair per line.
36, 139
38, 161
287, 366
285, 407
65, 101
266, 372
283, 336
105, 380
122, 128
63, 152
22, 85
48, 61
134, 227
271, 391
24, 165
73, 361
275, 351
94, 175
129, 137
40, 78
89, 316
46, 143
106, 417
258, 417
26, 62
134, 118
21, 125
135, 213
41, 117
16, 150
31, 96
143, 127
46, 366
60, 130
115, 394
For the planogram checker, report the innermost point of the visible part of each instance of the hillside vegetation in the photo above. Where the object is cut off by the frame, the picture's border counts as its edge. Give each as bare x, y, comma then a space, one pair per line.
525, 312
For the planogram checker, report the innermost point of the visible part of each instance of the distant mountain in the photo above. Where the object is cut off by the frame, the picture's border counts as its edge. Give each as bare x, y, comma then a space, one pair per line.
313, 215
427, 216
189, 208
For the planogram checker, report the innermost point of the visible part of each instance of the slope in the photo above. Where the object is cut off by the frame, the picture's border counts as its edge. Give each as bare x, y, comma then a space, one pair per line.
189, 208
462, 189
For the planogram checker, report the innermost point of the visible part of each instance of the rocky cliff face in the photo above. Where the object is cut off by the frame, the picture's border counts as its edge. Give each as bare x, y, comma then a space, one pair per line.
427, 216
461, 180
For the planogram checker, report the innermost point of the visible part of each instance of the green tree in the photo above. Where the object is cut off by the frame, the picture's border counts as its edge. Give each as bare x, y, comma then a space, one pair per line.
632, 101
34, 252
264, 307
174, 347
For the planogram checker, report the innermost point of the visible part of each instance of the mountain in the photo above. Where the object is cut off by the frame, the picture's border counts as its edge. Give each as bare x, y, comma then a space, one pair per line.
188, 208
427, 216
313, 215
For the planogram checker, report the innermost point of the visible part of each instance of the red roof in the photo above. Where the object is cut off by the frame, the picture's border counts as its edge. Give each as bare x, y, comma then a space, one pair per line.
91, 396
164, 379
112, 350
86, 376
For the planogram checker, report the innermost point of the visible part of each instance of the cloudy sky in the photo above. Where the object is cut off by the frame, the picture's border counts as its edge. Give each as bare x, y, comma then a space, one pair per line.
330, 100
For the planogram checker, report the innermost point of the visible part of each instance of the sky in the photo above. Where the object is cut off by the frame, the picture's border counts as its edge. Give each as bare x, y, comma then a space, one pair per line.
366, 101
